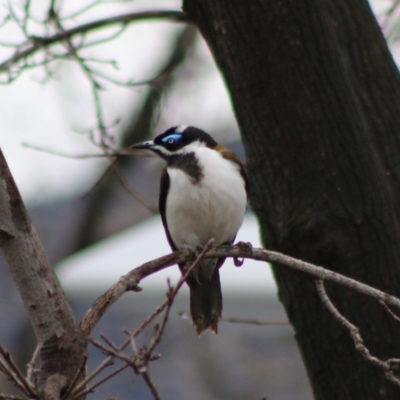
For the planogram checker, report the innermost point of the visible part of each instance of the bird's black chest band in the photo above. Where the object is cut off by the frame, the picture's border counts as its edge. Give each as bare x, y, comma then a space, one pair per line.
188, 163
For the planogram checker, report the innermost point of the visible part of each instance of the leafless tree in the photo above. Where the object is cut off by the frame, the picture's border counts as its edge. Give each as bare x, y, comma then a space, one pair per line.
314, 90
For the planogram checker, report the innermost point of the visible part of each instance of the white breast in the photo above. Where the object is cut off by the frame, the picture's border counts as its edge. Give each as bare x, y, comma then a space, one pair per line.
212, 208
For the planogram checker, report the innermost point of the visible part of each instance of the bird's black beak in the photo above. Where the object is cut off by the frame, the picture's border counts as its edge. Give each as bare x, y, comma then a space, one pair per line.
148, 145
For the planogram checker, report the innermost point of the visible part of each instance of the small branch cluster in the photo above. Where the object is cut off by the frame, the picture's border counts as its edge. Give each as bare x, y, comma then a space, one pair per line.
58, 43
132, 279
389, 366
139, 358
10, 368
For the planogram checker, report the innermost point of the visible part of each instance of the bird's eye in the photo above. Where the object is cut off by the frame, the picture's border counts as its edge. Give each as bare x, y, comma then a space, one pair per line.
171, 138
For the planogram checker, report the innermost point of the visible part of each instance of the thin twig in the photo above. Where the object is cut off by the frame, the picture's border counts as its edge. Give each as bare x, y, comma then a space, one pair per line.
108, 361
151, 385
76, 377
144, 202
111, 157
397, 318
30, 365
76, 395
255, 321
386, 366
41, 42
66, 155
115, 351
173, 292
27, 386
11, 375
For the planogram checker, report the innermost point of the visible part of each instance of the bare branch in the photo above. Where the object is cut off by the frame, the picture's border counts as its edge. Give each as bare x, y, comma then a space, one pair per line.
132, 279
144, 202
110, 157
15, 373
386, 366
31, 364
126, 283
75, 379
77, 395
38, 43
141, 356
151, 386
122, 152
108, 361
255, 321
395, 317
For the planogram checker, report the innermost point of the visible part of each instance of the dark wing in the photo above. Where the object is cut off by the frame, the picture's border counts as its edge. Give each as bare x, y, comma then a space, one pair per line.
162, 204
230, 155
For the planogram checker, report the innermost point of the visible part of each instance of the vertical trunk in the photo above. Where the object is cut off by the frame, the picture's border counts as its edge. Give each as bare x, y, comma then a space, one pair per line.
62, 344
323, 168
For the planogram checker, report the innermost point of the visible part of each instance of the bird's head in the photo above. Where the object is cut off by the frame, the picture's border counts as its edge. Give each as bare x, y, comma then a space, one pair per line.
178, 140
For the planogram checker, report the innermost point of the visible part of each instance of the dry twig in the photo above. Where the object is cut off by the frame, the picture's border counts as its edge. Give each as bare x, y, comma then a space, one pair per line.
142, 356
255, 321
386, 366
37, 43
10, 368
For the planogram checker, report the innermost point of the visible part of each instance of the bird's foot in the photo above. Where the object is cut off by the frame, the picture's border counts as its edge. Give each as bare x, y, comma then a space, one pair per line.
244, 246
238, 262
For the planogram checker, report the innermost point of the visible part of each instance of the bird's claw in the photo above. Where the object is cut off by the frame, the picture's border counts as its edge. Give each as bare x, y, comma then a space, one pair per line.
238, 262
244, 245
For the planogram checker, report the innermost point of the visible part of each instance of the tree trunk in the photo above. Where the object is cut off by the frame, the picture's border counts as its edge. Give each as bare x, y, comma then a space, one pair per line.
62, 344
314, 90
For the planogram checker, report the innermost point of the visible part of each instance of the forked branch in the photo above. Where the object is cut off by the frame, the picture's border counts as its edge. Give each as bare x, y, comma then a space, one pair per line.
131, 280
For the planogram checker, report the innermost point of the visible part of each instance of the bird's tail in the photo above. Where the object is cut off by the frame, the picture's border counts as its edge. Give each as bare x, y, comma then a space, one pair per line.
206, 297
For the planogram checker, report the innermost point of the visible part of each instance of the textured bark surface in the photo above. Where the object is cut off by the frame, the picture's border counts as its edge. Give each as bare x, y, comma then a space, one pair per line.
314, 90
62, 343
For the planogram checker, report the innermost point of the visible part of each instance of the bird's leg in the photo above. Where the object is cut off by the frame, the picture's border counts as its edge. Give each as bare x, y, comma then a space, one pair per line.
238, 262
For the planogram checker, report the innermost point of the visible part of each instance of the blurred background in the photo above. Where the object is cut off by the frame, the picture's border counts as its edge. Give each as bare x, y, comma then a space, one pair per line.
153, 75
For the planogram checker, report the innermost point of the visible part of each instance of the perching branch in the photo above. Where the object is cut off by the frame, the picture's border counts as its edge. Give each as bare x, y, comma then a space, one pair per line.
131, 280
143, 355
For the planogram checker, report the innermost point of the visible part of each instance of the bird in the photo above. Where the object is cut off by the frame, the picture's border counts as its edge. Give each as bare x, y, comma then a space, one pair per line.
203, 197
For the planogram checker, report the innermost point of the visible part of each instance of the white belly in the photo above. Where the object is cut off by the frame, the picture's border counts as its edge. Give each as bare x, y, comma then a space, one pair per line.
212, 208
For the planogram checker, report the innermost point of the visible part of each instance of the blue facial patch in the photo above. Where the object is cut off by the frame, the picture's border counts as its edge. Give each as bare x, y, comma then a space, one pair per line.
175, 136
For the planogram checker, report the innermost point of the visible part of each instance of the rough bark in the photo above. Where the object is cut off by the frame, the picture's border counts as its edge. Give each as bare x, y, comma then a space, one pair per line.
305, 79
62, 343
